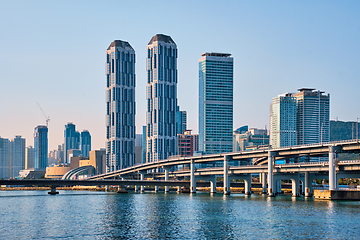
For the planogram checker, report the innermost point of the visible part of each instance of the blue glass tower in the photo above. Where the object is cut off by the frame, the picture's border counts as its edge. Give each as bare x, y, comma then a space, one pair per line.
85, 143
120, 106
71, 140
161, 98
41, 147
215, 102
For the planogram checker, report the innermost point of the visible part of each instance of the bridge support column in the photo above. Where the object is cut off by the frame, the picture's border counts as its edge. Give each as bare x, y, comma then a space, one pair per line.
166, 179
308, 185
295, 187
271, 160
156, 189
142, 188
136, 188
178, 189
247, 187
332, 168
263, 183
53, 191
213, 185
226, 175
192, 177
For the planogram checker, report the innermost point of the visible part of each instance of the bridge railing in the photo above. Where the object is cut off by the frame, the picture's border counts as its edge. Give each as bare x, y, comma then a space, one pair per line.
317, 144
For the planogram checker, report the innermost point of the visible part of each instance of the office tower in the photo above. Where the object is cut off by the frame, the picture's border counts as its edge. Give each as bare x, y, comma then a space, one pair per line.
250, 139
138, 148
215, 102
4, 158
144, 140
41, 147
71, 140
161, 98
180, 121
313, 116
283, 121
29, 157
85, 143
187, 143
120, 105
97, 158
17, 156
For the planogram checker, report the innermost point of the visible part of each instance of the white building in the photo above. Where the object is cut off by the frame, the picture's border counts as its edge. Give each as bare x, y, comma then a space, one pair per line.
161, 98
120, 105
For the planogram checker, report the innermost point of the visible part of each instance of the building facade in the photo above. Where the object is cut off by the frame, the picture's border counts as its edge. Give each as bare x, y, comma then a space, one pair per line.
41, 147
188, 143
17, 156
161, 98
120, 105
283, 121
71, 140
4, 158
313, 116
180, 121
250, 139
215, 103
85, 143
29, 157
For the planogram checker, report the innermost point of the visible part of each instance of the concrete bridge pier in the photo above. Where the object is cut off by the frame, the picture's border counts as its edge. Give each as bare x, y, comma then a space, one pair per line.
178, 189
263, 183
271, 161
213, 185
142, 175
166, 177
156, 189
295, 187
53, 191
247, 184
308, 185
226, 175
192, 177
332, 167
136, 188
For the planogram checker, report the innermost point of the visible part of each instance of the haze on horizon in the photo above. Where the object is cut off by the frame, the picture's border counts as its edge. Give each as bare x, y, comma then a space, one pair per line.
54, 53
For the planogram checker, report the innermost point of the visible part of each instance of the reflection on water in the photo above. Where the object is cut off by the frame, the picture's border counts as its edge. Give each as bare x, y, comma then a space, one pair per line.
89, 215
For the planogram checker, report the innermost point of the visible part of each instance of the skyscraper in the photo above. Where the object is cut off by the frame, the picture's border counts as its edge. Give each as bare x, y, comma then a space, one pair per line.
85, 143
17, 156
120, 105
29, 157
215, 102
161, 98
41, 147
313, 116
71, 140
180, 121
283, 121
4, 158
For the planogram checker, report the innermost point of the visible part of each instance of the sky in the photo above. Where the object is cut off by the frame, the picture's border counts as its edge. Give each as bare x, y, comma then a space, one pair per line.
53, 53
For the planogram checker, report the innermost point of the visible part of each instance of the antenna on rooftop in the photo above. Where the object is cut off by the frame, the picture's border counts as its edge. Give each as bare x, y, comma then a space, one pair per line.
46, 117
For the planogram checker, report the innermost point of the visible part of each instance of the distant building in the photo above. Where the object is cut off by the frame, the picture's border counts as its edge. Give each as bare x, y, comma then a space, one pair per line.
29, 157
4, 158
180, 121
313, 116
161, 98
138, 148
283, 121
252, 138
98, 160
144, 140
188, 143
85, 143
215, 102
41, 147
17, 156
120, 105
71, 140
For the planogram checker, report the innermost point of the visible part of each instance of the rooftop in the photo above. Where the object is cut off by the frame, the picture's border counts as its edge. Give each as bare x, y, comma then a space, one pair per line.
119, 43
161, 38
214, 54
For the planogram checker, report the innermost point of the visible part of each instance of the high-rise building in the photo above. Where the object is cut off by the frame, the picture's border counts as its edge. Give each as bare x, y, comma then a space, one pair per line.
71, 140
161, 98
138, 148
29, 157
120, 105
144, 140
17, 156
85, 143
283, 121
187, 143
215, 102
313, 116
41, 147
180, 121
4, 158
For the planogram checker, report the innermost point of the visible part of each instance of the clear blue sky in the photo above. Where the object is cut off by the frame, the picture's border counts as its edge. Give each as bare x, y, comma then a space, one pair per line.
53, 52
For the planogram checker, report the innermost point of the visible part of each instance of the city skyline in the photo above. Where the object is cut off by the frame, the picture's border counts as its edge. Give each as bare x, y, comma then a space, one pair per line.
276, 49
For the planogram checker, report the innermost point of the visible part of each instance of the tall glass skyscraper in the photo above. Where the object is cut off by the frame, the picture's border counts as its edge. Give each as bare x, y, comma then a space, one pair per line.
71, 140
120, 106
4, 158
215, 102
41, 147
85, 143
161, 98
17, 156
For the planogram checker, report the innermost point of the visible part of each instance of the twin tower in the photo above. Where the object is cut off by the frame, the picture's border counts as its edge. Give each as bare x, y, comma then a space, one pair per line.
161, 100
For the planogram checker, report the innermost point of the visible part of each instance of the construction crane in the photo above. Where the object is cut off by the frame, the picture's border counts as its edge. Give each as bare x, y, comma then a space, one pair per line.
46, 117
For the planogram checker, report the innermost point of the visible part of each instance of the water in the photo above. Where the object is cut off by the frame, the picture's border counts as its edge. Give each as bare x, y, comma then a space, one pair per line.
99, 215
